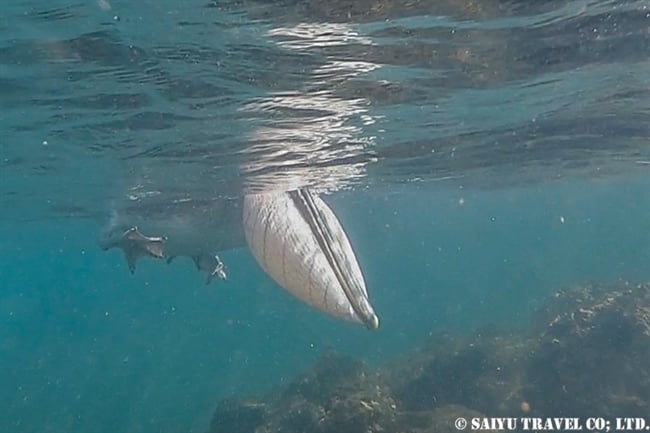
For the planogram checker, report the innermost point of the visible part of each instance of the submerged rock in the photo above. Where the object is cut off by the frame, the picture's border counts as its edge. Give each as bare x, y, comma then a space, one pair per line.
593, 355
480, 372
338, 395
588, 354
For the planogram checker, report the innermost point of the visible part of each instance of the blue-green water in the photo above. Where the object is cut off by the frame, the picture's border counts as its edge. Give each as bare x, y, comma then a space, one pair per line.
477, 161
87, 346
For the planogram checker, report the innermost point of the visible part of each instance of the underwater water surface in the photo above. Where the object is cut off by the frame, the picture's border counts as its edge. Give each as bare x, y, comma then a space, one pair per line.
481, 155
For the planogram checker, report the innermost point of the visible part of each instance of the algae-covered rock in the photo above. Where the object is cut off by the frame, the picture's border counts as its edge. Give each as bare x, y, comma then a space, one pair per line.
482, 372
593, 356
338, 395
588, 355
332, 373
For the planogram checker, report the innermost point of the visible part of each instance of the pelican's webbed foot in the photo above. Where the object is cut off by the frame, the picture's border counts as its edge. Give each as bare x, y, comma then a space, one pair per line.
136, 245
212, 265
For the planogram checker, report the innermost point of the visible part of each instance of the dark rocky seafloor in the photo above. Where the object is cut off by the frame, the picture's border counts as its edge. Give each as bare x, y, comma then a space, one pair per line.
586, 354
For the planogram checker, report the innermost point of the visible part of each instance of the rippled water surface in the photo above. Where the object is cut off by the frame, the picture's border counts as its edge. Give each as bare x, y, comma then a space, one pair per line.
203, 98
481, 153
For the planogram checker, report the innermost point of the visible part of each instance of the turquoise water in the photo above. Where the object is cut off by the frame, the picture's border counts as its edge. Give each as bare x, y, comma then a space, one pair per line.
87, 346
480, 157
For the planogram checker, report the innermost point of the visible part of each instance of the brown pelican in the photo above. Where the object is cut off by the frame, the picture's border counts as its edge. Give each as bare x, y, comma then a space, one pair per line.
294, 236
